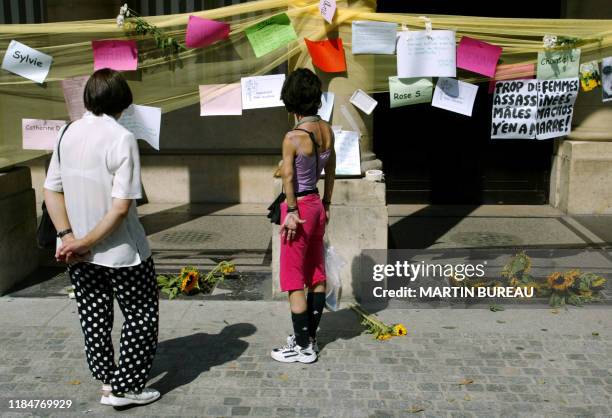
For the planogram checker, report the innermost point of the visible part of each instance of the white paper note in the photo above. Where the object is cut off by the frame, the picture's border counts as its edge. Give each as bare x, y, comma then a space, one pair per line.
144, 122
348, 159
262, 91
423, 54
556, 100
40, 134
327, 105
327, 9
73, 95
371, 37
27, 62
361, 100
463, 103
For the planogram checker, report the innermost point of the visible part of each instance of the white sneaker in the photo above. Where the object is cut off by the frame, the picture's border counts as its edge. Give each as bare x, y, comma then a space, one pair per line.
313, 341
293, 352
147, 395
106, 391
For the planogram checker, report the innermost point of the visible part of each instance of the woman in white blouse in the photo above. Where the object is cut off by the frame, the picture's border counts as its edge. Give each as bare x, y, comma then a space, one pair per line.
90, 191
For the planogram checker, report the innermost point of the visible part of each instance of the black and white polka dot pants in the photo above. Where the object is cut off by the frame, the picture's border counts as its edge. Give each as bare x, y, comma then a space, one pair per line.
136, 291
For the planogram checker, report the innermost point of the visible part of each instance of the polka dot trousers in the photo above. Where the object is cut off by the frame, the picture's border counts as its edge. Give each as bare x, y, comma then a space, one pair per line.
136, 291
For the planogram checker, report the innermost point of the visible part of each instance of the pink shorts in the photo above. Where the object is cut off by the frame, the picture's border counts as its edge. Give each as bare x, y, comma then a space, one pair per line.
301, 259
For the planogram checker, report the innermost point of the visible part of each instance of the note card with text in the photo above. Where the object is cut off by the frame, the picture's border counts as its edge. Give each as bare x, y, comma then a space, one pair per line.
220, 100
478, 56
203, 32
370, 37
426, 54
27, 62
40, 134
270, 34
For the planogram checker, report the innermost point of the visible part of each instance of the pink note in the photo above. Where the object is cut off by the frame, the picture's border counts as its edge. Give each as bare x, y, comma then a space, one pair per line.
512, 72
40, 134
203, 32
115, 54
220, 99
477, 56
73, 95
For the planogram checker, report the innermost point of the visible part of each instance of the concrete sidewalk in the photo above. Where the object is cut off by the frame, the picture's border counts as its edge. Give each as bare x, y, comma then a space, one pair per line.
213, 360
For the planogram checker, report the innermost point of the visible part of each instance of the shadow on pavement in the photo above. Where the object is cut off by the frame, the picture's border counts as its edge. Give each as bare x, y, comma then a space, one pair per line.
181, 360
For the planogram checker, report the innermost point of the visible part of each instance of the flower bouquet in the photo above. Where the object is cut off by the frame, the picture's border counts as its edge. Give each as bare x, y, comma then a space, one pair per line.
376, 327
190, 281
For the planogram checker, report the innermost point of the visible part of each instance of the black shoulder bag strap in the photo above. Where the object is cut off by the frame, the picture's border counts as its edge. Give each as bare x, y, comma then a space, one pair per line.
59, 142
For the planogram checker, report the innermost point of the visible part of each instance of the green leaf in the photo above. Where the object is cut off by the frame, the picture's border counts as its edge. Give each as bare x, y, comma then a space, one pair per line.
555, 300
574, 299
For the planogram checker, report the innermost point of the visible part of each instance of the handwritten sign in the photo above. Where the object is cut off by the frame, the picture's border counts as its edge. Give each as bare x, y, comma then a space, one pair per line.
371, 37
515, 106
539, 109
27, 62
144, 122
478, 56
348, 159
270, 34
203, 32
556, 100
40, 134
327, 55
262, 91
115, 54
73, 95
408, 91
220, 100
327, 105
426, 54
512, 72
464, 101
327, 9
558, 64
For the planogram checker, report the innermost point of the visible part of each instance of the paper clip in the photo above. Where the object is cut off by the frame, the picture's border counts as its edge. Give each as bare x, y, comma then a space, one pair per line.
427, 25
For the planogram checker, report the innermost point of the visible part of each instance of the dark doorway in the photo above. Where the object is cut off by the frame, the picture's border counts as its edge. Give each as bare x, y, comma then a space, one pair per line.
434, 156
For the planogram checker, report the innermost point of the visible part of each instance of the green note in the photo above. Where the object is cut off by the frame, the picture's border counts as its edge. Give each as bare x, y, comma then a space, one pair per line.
408, 91
270, 34
558, 64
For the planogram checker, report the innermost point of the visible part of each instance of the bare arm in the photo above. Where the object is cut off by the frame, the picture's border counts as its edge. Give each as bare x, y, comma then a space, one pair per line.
56, 206
330, 173
292, 220
287, 171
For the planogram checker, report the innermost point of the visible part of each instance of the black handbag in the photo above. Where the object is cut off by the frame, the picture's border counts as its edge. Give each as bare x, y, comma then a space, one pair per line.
274, 210
46, 234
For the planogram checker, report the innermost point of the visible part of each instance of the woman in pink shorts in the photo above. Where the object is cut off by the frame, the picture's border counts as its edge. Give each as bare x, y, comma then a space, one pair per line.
307, 150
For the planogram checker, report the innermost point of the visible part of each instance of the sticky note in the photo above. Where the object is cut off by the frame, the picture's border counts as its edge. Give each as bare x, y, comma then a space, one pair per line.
270, 34
478, 56
203, 32
327, 55
115, 54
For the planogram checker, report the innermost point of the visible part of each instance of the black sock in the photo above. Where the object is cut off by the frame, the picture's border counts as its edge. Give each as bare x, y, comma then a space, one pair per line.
300, 328
316, 303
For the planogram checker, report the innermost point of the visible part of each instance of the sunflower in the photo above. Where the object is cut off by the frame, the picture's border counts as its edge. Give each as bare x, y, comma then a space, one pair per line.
559, 281
190, 281
399, 330
228, 269
384, 337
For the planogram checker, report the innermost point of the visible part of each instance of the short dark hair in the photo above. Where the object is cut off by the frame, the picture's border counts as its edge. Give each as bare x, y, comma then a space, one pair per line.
301, 92
107, 92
